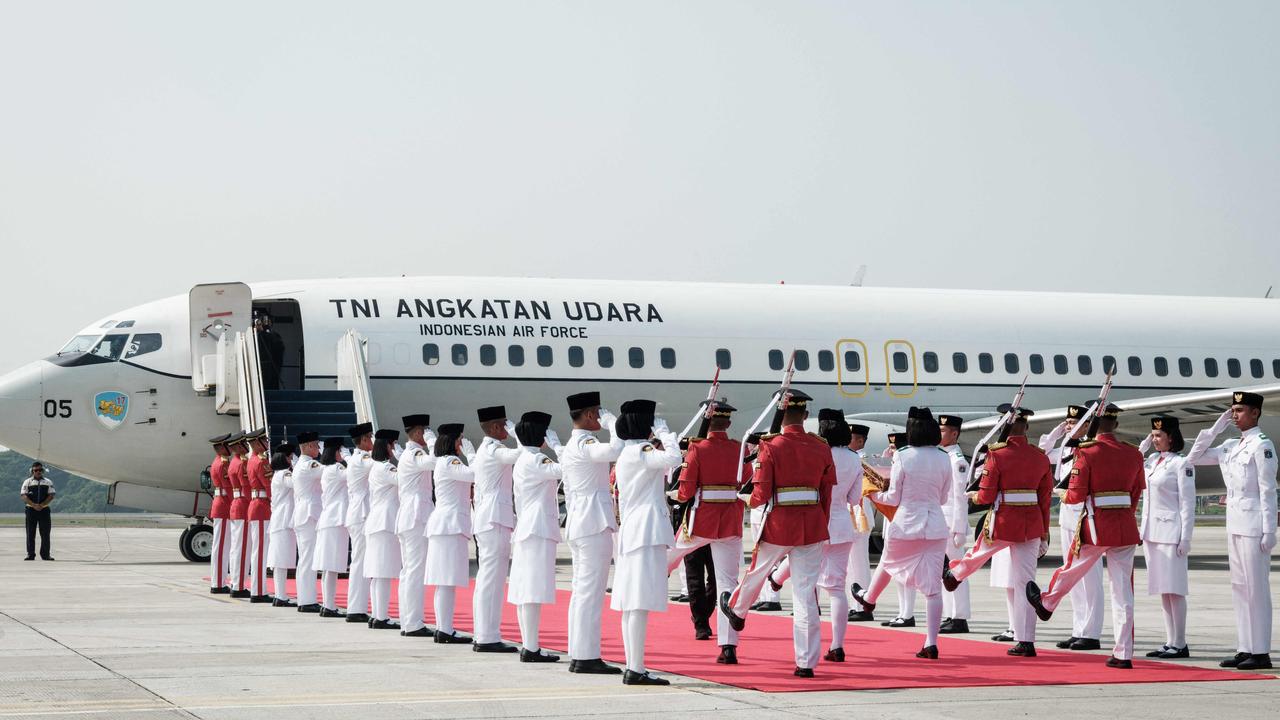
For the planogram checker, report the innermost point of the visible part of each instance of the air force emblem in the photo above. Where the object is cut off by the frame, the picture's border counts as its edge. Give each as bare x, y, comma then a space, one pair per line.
111, 408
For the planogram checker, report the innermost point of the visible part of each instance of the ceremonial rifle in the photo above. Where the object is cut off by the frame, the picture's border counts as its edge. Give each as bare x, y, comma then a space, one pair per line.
1001, 428
783, 395
1091, 416
685, 511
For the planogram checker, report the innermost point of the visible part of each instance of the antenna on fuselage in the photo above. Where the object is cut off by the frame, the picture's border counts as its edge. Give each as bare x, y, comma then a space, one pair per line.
858, 276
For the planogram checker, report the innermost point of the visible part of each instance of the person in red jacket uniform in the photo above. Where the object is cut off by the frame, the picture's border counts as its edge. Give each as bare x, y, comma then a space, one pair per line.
1108, 477
237, 481
258, 472
793, 478
1017, 483
219, 513
709, 479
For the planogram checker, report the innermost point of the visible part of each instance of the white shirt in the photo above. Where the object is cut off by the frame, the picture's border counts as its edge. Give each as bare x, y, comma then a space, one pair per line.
846, 494
452, 515
919, 485
1169, 500
30, 484
956, 510
306, 490
642, 498
414, 473
333, 496
868, 509
535, 478
281, 501
494, 504
384, 498
1249, 471
358, 467
1068, 513
585, 461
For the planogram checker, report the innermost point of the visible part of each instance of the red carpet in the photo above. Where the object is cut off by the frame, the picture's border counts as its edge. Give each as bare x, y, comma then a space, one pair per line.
879, 658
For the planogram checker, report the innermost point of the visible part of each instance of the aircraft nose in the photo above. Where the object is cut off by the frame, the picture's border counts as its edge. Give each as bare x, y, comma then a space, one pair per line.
21, 409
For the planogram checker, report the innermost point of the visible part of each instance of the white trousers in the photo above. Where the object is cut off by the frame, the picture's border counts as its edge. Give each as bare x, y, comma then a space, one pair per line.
767, 593
256, 542
413, 571
1119, 572
529, 615
329, 589
806, 627
1022, 570
218, 554
726, 558
832, 578
238, 562
380, 598
906, 595
956, 604
1086, 596
860, 560
591, 556
635, 625
1251, 592
494, 559
305, 575
357, 583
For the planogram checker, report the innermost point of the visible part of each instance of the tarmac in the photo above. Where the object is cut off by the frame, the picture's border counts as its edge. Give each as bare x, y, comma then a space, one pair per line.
119, 626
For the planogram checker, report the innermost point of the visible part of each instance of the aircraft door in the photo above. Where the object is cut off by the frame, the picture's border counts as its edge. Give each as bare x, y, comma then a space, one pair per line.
901, 373
216, 309
853, 374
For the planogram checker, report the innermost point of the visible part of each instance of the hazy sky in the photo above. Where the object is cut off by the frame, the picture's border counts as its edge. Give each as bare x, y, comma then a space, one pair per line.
146, 147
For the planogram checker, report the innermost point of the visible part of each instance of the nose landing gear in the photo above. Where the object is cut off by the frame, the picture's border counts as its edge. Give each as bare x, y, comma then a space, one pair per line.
196, 543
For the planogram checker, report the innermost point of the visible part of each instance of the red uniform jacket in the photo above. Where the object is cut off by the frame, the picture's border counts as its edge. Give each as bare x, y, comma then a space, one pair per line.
1017, 474
713, 464
237, 480
221, 507
1107, 468
260, 481
794, 459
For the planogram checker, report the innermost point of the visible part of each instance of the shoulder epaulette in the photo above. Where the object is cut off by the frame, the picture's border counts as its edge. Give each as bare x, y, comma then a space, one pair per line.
696, 440
588, 441
546, 460
769, 436
1126, 442
646, 448
455, 461
997, 446
314, 465
1087, 443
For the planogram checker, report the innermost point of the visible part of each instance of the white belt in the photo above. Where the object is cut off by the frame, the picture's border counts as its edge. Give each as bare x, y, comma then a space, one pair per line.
796, 496
258, 493
235, 494
219, 492
1112, 501
719, 494
1019, 498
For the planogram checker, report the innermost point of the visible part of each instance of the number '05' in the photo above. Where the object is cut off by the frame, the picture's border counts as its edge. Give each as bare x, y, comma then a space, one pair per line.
57, 408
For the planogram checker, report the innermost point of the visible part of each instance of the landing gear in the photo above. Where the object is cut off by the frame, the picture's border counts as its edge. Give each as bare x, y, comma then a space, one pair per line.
196, 543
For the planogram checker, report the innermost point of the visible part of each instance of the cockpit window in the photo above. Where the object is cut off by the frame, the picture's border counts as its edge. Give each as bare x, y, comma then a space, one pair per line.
108, 324
124, 324
78, 344
110, 347
143, 343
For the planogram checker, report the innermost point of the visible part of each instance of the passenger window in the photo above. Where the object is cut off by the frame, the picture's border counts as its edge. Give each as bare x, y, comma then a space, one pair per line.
826, 360
900, 362
1135, 365
144, 343
667, 356
853, 361
544, 356
802, 360
1184, 367
576, 357
1010, 363
1037, 363
515, 355
110, 347
931, 362
1255, 368
775, 359
985, 363
488, 355
724, 360
1162, 366
1108, 364
459, 354
1275, 368
1233, 367
431, 354
1060, 364
635, 356
1084, 364
1211, 367
604, 356
959, 362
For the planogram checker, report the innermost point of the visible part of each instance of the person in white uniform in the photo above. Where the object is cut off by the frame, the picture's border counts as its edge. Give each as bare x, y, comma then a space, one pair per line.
414, 471
589, 527
864, 522
358, 466
1249, 470
919, 485
449, 529
645, 534
331, 529
306, 512
282, 549
535, 478
1087, 596
906, 615
955, 603
382, 548
494, 520
770, 594
1168, 519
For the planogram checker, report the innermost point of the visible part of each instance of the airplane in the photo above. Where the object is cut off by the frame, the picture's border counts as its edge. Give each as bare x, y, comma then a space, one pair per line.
131, 399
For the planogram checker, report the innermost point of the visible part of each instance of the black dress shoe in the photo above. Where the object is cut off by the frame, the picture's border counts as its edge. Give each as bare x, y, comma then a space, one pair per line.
1175, 653
929, 652
1033, 597
770, 606
728, 655
777, 586
834, 655
949, 580
632, 677
50, 558
681, 598
423, 631
803, 672
537, 657
702, 633
1006, 636
1115, 662
957, 626
900, 622
1085, 644
277, 602
240, 594
735, 622
310, 608
224, 590
1255, 662
261, 599
495, 647
594, 666
866, 605
1158, 653
357, 618
327, 613
452, 638
377, 624
1064, 644
861, 616
1023, 649
1234, 660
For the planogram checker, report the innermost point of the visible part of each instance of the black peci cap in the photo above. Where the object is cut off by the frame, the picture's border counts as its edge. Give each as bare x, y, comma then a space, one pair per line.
1167, 423
450, 429
1020, 412
489, 414
287, 448
857, 429
331, 442
951, 421
307, 436
358, 431
1075, 412
417, 420
584, 400
391, 435
532, 428
1248, 399
639, 407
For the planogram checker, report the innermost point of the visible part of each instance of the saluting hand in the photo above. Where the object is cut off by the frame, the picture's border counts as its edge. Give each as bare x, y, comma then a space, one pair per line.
1223, 422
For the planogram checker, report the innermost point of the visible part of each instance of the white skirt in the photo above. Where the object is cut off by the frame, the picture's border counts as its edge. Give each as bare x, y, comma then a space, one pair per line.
533, 572
282, 549
640, 579
1001, 567
447, 561
1166, 572
331, 549
916, 563
835, 565
382, 555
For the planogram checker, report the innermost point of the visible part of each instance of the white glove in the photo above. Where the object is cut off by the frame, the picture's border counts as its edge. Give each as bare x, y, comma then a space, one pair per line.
674, 494
1184, 547
553, 440
467, 448
1145, 445
660, 426
958, 539
511, 428
430, 437
1223, 422
1268, 542
607, 419
1043, 549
